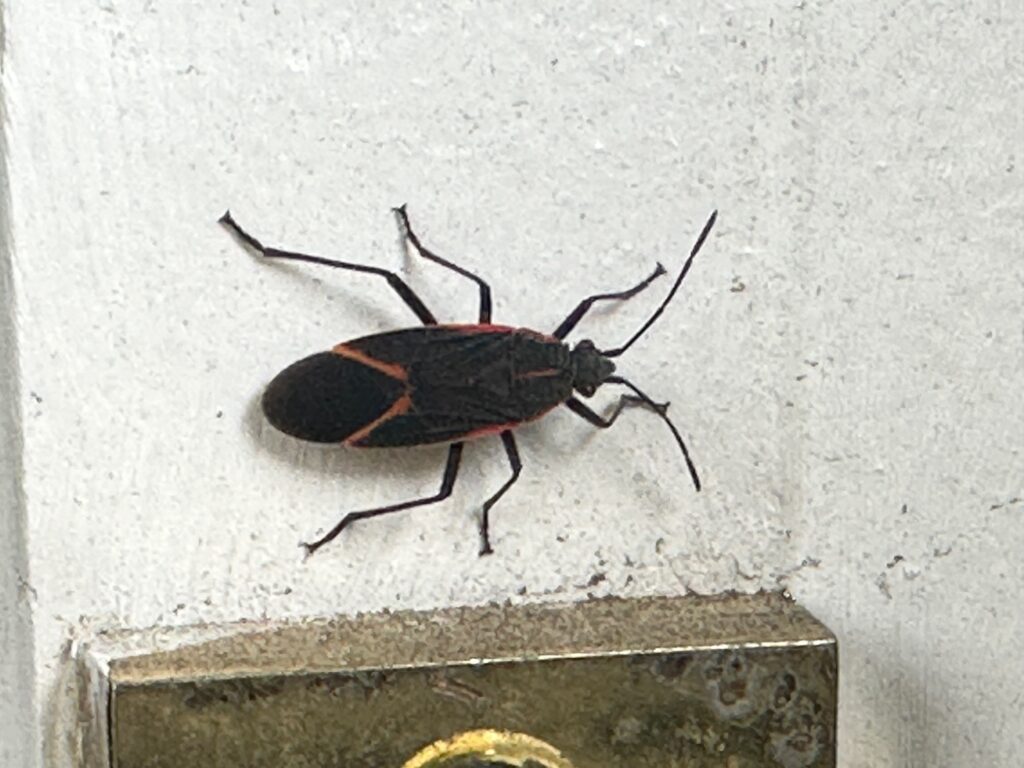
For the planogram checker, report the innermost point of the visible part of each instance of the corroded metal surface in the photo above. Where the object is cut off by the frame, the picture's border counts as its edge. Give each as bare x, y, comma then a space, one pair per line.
733, 681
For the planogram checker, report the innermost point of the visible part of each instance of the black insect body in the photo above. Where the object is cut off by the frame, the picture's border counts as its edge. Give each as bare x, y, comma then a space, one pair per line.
448, 383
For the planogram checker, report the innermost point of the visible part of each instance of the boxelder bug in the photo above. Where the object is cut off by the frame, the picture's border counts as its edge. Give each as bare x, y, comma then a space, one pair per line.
448, 383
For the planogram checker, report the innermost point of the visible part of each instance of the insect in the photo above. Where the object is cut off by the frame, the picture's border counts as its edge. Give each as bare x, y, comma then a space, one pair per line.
446, 383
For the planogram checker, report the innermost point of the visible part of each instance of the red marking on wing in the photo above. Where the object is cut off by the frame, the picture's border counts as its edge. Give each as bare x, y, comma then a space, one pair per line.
541, 374
495, 429
400, 406
539, 335
393, 370
478, 327
491, 328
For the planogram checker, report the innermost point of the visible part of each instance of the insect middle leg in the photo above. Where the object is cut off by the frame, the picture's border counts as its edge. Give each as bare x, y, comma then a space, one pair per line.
513, 458
485, 289
397, 283
584, 306
451, 469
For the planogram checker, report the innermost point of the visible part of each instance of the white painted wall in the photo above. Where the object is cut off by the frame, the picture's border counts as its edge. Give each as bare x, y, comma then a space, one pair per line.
846, 357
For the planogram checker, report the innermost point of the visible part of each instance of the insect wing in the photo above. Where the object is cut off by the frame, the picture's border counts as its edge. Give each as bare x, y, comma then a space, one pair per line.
466, 381
326, 397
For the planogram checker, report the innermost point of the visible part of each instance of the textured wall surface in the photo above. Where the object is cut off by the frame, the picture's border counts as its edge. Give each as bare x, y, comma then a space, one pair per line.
846, 357
17, 697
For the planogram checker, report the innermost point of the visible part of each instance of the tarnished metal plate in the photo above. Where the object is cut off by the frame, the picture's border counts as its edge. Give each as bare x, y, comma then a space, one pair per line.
734, 681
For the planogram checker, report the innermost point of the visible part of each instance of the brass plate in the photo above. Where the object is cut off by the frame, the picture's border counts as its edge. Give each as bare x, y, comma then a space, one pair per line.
734, 681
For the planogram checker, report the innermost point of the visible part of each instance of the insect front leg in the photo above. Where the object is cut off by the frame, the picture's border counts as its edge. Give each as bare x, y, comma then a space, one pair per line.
451, 469
513, 458
485, 289
638, 398
580, 409
398, 284
584, 306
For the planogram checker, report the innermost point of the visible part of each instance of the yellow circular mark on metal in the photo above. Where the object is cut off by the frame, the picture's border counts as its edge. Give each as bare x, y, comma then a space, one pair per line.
515, 749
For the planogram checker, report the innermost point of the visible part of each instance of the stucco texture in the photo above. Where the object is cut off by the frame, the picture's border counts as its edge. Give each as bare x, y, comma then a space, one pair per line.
846, 357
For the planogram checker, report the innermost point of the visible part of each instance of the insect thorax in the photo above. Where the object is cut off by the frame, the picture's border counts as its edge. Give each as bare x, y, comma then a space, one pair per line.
589, 367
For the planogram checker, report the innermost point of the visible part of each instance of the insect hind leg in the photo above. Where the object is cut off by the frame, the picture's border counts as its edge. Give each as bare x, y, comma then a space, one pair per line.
485, 289
397, 283
451, 470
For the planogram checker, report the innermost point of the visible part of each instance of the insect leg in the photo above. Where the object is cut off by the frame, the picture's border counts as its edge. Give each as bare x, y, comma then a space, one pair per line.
517, 465
584, 306
580, 409
638, 398
451, 469
485, 289
661, 409
398, 284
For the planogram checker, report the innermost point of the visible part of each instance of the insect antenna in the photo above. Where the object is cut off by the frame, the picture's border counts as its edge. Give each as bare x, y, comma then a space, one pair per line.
679, 281
661, 411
